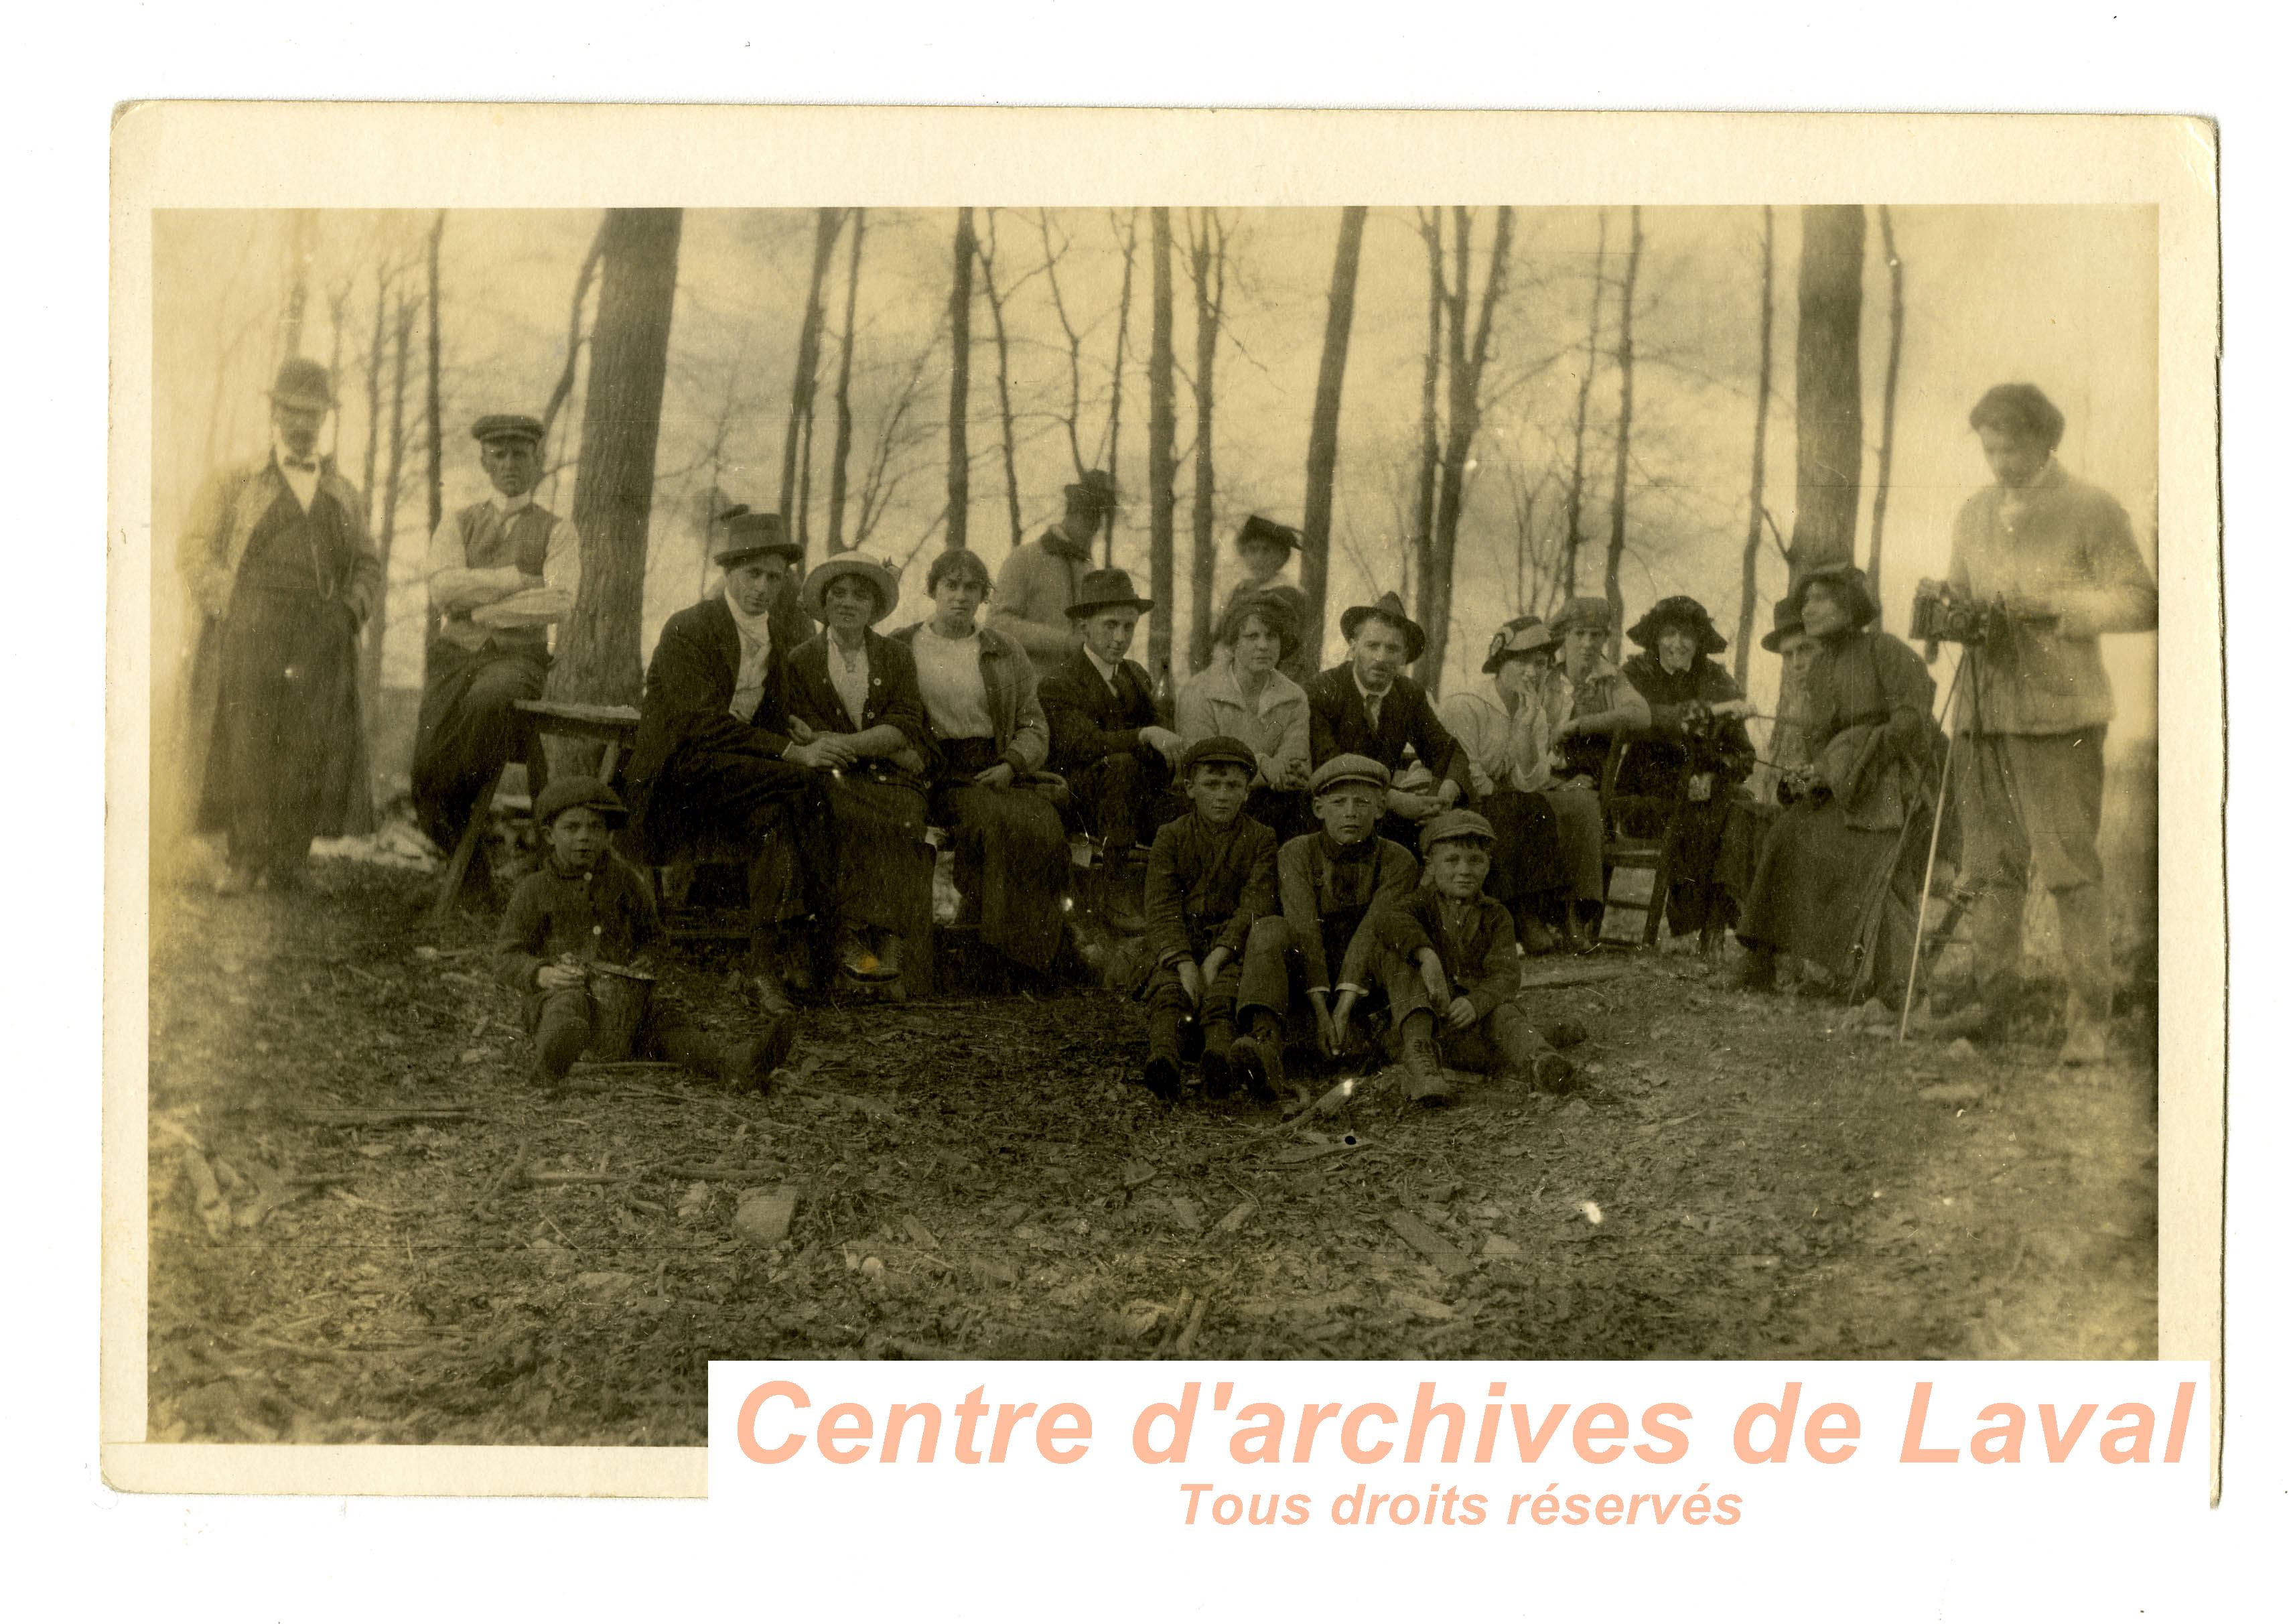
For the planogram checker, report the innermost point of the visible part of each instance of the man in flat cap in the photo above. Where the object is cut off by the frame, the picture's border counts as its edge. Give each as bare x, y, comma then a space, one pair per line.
1368, 706
1040, 580
502, 573
278, 564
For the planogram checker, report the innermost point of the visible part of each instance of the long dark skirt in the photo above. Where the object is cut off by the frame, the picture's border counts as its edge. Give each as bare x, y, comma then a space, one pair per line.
1816, 884
882, 873
1526, 862
285, 745
771, 812
1696, 834
1581, 833
470, 726
1009, 854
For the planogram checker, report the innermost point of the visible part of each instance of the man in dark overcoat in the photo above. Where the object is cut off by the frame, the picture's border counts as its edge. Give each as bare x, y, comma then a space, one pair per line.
1368, 706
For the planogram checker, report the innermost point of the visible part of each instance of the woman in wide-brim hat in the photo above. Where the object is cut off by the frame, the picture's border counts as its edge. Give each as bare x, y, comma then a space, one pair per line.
1244, 694
1694, 753
854, 696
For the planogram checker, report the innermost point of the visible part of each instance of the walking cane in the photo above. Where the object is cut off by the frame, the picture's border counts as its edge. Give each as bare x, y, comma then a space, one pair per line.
1932, 850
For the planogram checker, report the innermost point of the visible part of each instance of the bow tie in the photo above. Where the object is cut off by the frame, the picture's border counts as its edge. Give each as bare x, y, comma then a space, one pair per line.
308, 465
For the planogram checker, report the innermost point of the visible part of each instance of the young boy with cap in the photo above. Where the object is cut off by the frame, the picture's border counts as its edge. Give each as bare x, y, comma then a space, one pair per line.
584, 906
1448, 963
1329, 881
1209, 879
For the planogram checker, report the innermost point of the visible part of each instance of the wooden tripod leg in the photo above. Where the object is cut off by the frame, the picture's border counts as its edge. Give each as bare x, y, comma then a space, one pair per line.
482, 812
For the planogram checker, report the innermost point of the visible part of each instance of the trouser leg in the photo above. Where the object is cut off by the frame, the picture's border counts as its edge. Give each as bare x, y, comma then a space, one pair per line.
1996, 855
560, 1031
1264, 983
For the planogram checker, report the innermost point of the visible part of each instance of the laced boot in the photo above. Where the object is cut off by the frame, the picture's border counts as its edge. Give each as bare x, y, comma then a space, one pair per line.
1257, 1057
1162, 1074
1424, 1080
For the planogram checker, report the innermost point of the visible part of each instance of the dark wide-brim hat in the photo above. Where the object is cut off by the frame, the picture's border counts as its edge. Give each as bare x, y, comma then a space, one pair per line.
506, 426
303, 383
1094, 491
1276, 612
878, 576
1790, 616
1389, 608
1595, 613
564, 794
1219, 748
1525, 636
748, 536
1848, 583
1106, 589
1256, 528
1679, 611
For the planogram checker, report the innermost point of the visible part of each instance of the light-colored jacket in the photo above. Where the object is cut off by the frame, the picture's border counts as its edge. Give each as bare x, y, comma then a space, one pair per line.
1022, 733
1278, 727
1508, 750
222, 521
1031, 597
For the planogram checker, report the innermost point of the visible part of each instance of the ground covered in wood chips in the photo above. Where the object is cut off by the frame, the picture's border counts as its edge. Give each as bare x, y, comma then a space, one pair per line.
367, 1225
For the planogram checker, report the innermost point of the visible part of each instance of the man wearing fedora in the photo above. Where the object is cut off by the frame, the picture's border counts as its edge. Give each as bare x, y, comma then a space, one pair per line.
1368, 707
1265, 548
716, 752
502, 573
1104, 738
277, 561
1041, 580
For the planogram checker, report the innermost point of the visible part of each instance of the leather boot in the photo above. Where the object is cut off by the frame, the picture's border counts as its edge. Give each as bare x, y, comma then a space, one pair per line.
1162, 1074
1124, 883
1257, 1057
1422, 1077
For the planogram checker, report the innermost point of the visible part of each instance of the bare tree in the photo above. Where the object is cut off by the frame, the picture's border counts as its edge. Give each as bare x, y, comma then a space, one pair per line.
1051, 255
620, 437
995, 295
1328, 402
958, 407
1427, 456
1465, 366
1828, 386
377, 352
1583, 413
385, 535
1120, 365
1616, 526
1205, 244
1893, 383
1161, 438
301, 245
899, 433
435, 406
1747, 621
838, 478
804, 391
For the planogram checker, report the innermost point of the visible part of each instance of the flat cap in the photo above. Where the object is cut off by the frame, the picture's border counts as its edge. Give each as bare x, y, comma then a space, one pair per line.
506, 426
577, 790
1456, 824
1351, 769
1219, 748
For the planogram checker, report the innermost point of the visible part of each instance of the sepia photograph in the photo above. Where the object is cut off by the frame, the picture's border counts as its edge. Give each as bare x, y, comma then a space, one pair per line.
1444, 781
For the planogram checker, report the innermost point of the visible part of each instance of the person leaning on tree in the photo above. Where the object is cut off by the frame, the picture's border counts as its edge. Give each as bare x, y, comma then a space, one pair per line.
502, 574
1041, 580
282, 576
1368, 706
2058, 555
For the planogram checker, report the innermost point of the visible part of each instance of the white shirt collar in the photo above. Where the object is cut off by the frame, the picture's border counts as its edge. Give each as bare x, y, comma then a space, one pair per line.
507, 506
1375, 701
1103, 670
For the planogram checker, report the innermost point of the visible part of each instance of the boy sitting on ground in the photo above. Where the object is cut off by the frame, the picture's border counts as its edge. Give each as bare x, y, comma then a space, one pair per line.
1328, 881
586, 904
1208, 878
1449, 964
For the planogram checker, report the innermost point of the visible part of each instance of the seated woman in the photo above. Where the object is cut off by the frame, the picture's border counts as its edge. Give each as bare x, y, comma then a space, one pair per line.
1695, 748
852, 696
1838, 877
1547, 838
1243, 694
1595, 702
988, 744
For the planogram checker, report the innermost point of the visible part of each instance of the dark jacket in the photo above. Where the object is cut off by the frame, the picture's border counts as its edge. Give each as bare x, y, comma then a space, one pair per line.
1340, 726
1327, 892
1672, 743
894, 696
686, 715
607, 914
1090, 721
1205, 886
1478, 953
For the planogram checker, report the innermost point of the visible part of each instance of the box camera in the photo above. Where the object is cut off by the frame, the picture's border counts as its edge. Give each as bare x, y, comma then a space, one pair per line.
1937, 615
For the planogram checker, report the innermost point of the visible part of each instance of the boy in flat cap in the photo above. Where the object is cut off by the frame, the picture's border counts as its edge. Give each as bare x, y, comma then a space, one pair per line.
502, 574
585, 906
1104, 740
1368, 706
1041, 580
1208, 880
1448, 963
1315, 954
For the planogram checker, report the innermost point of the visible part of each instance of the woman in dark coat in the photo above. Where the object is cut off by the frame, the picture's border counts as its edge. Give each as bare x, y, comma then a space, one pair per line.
852, 696
1693, 748
1838, 877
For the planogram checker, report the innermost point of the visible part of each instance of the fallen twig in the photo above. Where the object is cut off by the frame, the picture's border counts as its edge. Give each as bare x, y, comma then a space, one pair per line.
682, 1170
547, 1177
1193, 1328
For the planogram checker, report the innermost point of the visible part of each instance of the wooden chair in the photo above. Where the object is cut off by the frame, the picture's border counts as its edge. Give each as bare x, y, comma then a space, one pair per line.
1637, 866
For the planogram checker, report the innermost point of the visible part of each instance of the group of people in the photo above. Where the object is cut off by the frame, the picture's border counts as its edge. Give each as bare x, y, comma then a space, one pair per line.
1297, 848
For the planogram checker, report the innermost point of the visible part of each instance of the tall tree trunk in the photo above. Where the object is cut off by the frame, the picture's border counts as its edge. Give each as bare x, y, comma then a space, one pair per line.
1207, 265
1427, 447
958, 399
1002, 384
1321, 451
1893, 383
385, 536
597, 660
1745, 622
838, 478
435, 406
805, 391
1162, 442
803, 487
1463, 369
376, 352
562, 390
301, 245
1572, 544
1828, 386
1121, 364
1616, 526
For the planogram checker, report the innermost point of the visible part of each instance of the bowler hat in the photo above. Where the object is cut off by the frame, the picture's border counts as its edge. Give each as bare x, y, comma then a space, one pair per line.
1790, 616
748, 536
1256, 528
506, 426
577, 790
1523, 636
1106, 589
878, 576
1276, 614
1848, 583
1678, 611
1219, 748
1350, 769
1387, 608
1094, 490
303, 383
1457, 823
